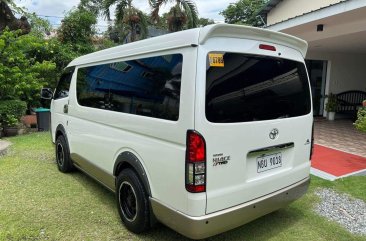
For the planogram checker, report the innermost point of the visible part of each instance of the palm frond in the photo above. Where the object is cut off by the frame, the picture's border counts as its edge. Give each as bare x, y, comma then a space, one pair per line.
156, 5
143, 25
105, 8
191, 11
106, 4
152, 3
120, 11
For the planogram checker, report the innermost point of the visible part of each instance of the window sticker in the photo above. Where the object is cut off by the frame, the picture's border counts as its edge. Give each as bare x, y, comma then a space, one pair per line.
216, 60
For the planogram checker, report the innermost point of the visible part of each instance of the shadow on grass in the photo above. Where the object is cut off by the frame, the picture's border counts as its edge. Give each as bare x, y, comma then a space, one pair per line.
94, 187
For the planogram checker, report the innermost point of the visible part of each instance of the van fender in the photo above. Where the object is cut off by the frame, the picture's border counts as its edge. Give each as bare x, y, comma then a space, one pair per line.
127, 158
60, 128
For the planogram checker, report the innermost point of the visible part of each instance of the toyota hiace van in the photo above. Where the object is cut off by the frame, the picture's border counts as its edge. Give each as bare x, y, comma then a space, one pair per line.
203, 130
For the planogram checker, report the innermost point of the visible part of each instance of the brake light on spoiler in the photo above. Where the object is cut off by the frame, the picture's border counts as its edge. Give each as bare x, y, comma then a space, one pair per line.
267, 47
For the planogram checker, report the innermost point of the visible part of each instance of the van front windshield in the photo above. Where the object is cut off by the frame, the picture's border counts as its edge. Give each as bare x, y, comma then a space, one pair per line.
244, 88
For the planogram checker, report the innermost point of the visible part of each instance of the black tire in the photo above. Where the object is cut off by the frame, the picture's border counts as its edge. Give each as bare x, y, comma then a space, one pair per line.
63, 159
132, 202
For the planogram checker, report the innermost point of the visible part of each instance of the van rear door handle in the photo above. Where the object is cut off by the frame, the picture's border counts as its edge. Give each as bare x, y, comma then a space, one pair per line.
66, 108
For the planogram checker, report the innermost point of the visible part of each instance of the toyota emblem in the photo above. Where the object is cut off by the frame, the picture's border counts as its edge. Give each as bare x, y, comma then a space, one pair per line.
274, 134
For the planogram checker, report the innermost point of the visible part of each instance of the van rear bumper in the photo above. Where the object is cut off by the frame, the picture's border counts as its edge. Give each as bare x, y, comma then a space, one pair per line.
224, 220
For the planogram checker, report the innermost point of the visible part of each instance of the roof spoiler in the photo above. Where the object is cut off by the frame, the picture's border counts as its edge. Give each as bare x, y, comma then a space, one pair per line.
245, 32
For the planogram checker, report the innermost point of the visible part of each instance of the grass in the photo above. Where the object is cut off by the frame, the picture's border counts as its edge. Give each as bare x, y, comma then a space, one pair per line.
37, 202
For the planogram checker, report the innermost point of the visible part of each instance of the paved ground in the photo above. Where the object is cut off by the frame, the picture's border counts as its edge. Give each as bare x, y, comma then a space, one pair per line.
3, 147
341, 135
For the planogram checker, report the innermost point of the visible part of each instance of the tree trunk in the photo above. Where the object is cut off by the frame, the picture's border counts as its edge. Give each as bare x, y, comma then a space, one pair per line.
133, 32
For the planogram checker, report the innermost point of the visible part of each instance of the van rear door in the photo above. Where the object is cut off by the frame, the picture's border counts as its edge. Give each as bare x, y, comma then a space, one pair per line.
254, 111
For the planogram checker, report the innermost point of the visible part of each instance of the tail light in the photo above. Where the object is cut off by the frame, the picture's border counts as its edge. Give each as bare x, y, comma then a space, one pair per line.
195, 162
312, 142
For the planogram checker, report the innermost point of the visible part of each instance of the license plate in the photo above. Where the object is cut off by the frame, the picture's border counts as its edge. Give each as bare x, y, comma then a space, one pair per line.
268, 162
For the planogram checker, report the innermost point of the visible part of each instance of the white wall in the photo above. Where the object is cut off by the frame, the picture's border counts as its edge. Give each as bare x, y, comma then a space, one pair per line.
347, 71
292, 8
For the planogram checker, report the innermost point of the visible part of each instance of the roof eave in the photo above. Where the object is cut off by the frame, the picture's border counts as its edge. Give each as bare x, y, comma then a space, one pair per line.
268, 7
321, 13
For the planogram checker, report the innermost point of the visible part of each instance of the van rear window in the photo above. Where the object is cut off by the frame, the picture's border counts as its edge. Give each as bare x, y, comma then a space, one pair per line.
244, 88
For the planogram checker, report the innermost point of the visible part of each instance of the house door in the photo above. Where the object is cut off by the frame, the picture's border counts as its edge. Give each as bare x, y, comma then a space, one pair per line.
317, 70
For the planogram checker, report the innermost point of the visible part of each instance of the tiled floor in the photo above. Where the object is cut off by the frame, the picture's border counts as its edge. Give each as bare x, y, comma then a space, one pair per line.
341, 135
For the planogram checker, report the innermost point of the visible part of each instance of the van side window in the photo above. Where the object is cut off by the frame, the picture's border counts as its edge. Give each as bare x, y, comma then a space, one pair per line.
147, 87
63, 86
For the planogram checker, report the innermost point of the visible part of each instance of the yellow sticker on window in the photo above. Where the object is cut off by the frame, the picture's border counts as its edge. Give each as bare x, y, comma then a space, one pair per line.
216, 60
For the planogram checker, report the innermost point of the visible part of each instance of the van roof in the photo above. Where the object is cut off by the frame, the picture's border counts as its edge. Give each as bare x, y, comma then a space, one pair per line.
192, 37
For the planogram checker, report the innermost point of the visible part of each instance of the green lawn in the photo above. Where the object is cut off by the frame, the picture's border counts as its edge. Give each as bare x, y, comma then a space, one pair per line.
37, 202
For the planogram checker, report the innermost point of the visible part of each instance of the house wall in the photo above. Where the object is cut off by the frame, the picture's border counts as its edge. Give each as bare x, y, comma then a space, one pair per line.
346, 71
291, 8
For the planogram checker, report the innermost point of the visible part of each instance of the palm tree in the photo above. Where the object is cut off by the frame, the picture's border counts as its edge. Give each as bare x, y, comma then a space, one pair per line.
128, 16
184, 13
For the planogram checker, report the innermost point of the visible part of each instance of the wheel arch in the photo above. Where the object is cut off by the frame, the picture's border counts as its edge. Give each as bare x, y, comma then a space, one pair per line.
60, 130
129, 160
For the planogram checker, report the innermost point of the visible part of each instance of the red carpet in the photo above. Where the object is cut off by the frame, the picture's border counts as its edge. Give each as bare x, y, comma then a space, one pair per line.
336, 163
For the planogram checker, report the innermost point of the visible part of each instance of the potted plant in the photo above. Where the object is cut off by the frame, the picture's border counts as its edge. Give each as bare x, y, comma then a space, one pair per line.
10, 113
364, 103
10, 125
331, 106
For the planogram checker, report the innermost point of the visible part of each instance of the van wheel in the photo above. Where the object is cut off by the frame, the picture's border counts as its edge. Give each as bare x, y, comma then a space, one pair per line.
132, 202
63, 159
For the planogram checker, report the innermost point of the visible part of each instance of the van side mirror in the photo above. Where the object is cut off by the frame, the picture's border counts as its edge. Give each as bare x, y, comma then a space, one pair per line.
46, 93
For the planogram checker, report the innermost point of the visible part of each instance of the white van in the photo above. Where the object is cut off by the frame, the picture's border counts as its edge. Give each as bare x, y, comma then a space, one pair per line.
203, 130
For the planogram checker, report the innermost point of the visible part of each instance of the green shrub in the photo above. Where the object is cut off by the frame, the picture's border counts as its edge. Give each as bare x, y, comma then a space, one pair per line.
22, 74
11, 111
11, 121
360, 123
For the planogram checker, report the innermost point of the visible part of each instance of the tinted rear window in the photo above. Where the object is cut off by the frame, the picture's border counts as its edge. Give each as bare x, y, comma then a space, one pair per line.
252, 88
